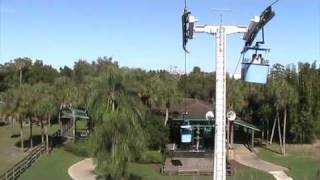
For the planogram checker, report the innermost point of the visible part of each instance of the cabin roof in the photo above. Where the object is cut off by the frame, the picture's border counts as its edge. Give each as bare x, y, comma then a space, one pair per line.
77, 113
196, 109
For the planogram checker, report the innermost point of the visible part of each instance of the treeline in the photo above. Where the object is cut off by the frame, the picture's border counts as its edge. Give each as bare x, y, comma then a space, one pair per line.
291, 90
291, 94
120, 102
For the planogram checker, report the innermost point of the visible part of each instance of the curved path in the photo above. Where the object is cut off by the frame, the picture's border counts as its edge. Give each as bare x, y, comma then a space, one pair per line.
82, 170
247, 158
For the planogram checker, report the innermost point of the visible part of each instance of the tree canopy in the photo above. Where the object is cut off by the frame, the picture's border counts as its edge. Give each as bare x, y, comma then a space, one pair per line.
120, 101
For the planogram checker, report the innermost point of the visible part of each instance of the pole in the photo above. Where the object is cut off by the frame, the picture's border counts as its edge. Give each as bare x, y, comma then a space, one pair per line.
252, 139
232, 134
284, 131
279, 132
273, 128
220, 145
74, 125
220, 33
60, 123
20, 77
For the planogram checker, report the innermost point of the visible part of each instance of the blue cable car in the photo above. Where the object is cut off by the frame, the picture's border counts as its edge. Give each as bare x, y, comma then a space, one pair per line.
186, 132
255, 70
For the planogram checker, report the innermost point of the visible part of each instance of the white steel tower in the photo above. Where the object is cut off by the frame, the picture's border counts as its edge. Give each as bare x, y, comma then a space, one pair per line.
220, 33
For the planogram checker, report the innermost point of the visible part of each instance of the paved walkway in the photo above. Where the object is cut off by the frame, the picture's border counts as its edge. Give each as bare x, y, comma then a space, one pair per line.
188, 166
82, 170
247, 158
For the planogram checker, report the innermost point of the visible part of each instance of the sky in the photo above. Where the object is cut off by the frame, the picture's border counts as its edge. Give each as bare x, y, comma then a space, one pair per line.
147, 33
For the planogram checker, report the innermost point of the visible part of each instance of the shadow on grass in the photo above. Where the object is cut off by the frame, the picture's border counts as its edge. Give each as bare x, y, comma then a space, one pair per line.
15, 135
131, 177
134, 177
176, 162
58, 141
36, 140
3, 123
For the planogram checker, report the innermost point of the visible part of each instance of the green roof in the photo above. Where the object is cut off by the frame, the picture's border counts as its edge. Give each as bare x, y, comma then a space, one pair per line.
205, 122
189, 119
77, 113
246, 124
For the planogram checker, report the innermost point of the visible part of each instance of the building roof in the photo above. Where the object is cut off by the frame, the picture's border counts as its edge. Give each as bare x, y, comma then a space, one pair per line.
246, 124
77, 113
194, 108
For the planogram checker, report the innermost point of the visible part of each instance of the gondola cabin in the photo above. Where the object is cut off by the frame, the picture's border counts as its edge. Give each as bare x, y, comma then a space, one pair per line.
255, 70
186, 132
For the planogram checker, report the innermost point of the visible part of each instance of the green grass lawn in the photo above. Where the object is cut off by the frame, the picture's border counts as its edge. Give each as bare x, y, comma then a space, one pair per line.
52, 167
303, 165
55, 166
303, 162
9, 137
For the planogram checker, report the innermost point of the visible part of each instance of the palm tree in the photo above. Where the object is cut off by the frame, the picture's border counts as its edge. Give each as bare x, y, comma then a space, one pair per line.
64, 91
25, 106
108, 89
21, 65
9, 103
11, 100
44, 107
18, 102
118, 136
168, 94
282, 95
117, 140
161, 93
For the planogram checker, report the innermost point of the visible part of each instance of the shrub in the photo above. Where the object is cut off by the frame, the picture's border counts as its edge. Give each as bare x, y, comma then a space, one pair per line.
80, 148
151, 157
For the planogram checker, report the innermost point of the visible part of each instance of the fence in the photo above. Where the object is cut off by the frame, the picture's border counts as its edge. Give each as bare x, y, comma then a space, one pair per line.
15, 172
24, 164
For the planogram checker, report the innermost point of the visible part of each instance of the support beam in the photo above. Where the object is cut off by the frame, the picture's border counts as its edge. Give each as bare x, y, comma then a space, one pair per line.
60, 122
252, 139
273, 128
47, 138
284, 131
267, 130
220, 32
228, 134
220, 137
279, 132
232, 134
74, 125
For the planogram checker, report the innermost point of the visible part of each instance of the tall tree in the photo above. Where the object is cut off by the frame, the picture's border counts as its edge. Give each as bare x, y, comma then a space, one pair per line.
118, 140
44, 107
21, 65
